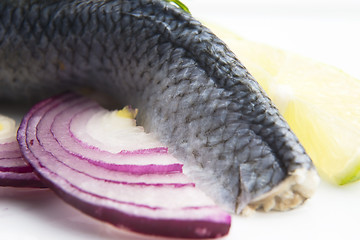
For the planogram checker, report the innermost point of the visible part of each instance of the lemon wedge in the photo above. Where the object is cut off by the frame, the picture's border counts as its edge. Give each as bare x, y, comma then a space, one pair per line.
320, 103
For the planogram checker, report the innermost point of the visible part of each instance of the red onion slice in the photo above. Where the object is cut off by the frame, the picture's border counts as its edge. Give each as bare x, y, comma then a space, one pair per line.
140, 188
14, 171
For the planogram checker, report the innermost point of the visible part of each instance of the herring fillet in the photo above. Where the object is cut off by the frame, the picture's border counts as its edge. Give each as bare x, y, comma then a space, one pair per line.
191, 90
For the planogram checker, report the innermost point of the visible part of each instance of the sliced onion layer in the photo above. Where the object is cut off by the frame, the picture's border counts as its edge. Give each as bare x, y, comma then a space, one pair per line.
107, 167
14, 171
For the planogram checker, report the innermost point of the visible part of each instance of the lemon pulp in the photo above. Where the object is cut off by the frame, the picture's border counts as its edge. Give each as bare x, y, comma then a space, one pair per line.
320, 103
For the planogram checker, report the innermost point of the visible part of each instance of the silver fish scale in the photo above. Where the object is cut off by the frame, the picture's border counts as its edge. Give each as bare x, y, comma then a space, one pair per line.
192, 92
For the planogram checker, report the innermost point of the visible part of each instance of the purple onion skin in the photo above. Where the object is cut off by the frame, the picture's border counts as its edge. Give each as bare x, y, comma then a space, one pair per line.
18, 174
22, 183
199, 228
147, 226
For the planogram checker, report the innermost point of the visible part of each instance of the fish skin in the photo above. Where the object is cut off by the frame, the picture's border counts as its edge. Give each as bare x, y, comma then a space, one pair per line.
191, 90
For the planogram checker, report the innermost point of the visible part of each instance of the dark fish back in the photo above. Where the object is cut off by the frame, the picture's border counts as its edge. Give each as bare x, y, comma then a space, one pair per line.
191, 90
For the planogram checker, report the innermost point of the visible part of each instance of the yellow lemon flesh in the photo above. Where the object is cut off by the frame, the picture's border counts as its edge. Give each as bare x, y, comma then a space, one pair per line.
320, 103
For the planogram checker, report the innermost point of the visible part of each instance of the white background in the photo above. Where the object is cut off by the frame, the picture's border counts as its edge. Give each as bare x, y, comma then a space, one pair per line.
324, 30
